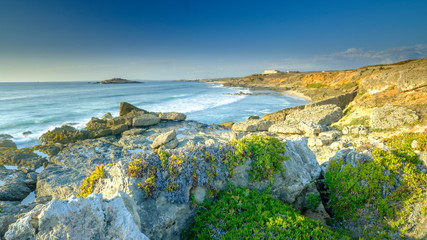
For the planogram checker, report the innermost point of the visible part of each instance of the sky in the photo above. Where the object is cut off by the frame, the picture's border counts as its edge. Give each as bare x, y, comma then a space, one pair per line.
169, 40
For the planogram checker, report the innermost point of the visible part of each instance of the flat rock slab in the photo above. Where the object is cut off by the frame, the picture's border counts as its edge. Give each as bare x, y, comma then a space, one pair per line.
172, 116
145, 120
252, 125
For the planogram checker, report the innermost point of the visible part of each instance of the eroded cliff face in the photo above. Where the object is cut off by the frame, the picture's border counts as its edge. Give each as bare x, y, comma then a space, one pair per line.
403, 84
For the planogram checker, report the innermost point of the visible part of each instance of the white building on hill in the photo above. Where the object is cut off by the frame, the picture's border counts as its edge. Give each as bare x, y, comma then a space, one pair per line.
270, 71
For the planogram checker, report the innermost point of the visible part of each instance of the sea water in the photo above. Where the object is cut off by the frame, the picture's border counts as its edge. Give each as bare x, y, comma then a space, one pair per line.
41, 106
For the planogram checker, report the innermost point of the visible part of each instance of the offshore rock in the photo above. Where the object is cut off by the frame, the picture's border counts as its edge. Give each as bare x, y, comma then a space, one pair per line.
80, 218
64, 134
392, 116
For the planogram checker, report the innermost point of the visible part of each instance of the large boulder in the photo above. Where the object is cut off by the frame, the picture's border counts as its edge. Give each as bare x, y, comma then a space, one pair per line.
80, 218
252, 125
145, 120
301, 169
324, 114
172, 116
126, 108
392, 116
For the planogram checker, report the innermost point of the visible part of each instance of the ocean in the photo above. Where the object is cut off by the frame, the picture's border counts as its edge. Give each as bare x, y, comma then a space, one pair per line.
37, 107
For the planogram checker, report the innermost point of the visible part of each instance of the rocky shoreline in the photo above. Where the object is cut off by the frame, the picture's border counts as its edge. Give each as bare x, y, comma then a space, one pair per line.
143, 174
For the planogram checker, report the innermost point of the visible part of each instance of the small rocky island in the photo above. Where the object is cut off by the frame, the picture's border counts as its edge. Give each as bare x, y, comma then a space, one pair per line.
117, 81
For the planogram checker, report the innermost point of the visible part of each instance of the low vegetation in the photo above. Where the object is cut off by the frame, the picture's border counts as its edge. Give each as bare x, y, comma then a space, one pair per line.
384, 195
248, 214
88, 183
174, 171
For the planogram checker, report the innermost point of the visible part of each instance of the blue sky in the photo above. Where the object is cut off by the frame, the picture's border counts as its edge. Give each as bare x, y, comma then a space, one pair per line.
162, 40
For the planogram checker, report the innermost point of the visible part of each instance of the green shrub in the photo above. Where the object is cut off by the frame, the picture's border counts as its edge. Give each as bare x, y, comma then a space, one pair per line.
87, 187
248, 214
313, 201
388, 187
359, 121
266, 154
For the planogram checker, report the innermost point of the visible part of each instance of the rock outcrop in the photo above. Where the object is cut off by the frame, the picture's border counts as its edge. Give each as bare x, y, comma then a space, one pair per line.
324, 114
392, 116
80, 218
252, 125
126, 108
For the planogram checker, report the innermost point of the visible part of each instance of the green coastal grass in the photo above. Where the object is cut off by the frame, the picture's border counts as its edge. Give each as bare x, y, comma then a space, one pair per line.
241, 213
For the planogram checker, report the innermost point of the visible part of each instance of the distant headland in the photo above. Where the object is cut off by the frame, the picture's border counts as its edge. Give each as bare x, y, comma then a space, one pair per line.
117, 81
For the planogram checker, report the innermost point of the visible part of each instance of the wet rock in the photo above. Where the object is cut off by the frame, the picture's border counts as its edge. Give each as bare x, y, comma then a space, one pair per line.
113, 218
392, 116
164, 138
252, 125
7, 144
26, 133
126, 108
23, 157
172, 116
145, 120
5, 136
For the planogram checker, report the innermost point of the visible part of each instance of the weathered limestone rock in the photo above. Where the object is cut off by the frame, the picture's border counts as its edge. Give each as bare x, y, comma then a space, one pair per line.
119, 129
227, 124
173, 116
280, 116
164, 138
323, 114
96, 124
126, 108
356, 129
23, 157
7, 144
286, 127
341, 100
145, 120
251, 125
80, 218
107, 116
64, 134
392, 116
350, 156
16, 185
413, 78
120, 120
133, 132
301, 169
310, 128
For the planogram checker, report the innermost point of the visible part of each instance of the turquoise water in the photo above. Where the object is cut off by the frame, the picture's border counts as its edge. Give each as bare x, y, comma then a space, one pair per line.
42, 106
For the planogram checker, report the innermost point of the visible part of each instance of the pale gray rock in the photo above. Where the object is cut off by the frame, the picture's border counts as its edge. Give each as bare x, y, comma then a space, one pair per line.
412, 78
170, 145
80, 218
324, 114
15, 185
173, 116
252, 125
310, 128
134, 142
286, 127
392, 116
164, 138
356, 129
145, 120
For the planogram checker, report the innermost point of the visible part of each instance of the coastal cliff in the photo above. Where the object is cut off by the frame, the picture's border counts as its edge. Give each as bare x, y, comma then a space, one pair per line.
352, 163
